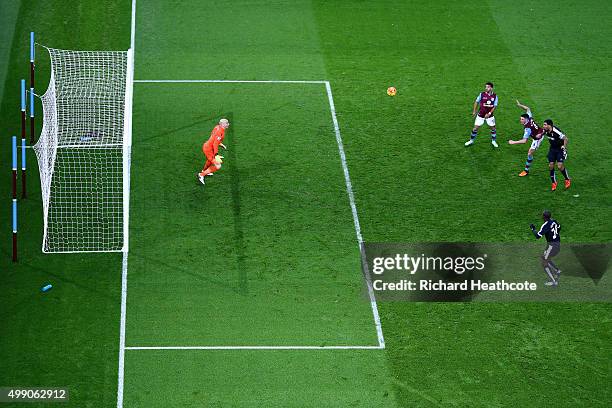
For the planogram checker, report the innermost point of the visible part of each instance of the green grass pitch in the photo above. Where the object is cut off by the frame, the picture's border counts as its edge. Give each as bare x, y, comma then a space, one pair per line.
266, 253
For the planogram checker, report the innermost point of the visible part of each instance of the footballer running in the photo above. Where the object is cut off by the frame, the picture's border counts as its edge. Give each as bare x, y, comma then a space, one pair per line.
531, 130
557, 153
551, 230
486, 103
211, 150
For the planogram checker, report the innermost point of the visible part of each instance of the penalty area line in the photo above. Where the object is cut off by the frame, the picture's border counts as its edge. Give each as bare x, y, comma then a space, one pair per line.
229, 81
351, 196
257, 348
347, 178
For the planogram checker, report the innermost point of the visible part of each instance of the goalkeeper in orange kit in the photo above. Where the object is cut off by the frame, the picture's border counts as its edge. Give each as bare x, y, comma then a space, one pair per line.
211, 150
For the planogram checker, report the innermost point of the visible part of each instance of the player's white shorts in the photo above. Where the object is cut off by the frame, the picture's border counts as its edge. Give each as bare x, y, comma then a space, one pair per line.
536, 143
480, 121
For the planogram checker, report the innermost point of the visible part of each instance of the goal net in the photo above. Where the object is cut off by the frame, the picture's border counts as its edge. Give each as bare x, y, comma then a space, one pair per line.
84, 151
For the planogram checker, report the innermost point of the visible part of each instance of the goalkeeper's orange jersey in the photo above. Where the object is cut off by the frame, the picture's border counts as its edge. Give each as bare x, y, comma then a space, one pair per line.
216, 138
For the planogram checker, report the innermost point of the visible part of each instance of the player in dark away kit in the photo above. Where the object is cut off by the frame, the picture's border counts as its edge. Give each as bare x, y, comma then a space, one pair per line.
556, 153
551, 230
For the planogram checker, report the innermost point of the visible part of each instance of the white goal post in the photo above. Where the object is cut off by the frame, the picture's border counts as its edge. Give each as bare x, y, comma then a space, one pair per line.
84, 151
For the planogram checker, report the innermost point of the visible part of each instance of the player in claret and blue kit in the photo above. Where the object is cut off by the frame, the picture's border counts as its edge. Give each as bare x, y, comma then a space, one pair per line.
531, 130
551, 230
486, 103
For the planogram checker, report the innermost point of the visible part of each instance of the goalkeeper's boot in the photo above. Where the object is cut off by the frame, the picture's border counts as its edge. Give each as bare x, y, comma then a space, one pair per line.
469, 142
568, 183
551, 283
201, 178
494, 143
210, 174
554, 186
523, 173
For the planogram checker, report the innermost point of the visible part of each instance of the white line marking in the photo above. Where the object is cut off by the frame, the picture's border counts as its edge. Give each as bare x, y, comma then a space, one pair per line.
122, 347
124, 262
133, 28
229, 81
258, 348
349, 190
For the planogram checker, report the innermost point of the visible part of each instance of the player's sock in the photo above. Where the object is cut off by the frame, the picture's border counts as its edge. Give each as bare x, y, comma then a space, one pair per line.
493, 134
474, 134
554, 268
549, 273
209, 170
528, 163
553, 178
564, 172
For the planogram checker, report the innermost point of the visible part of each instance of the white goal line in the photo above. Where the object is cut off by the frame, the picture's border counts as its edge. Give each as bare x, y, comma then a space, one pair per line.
258, 348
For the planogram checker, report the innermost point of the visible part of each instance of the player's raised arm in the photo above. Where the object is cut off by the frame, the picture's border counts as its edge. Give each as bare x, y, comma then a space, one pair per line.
523, 107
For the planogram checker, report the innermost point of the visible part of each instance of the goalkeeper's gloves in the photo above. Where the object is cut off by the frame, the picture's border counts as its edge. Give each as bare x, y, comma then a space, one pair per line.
564, 150
532, 227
